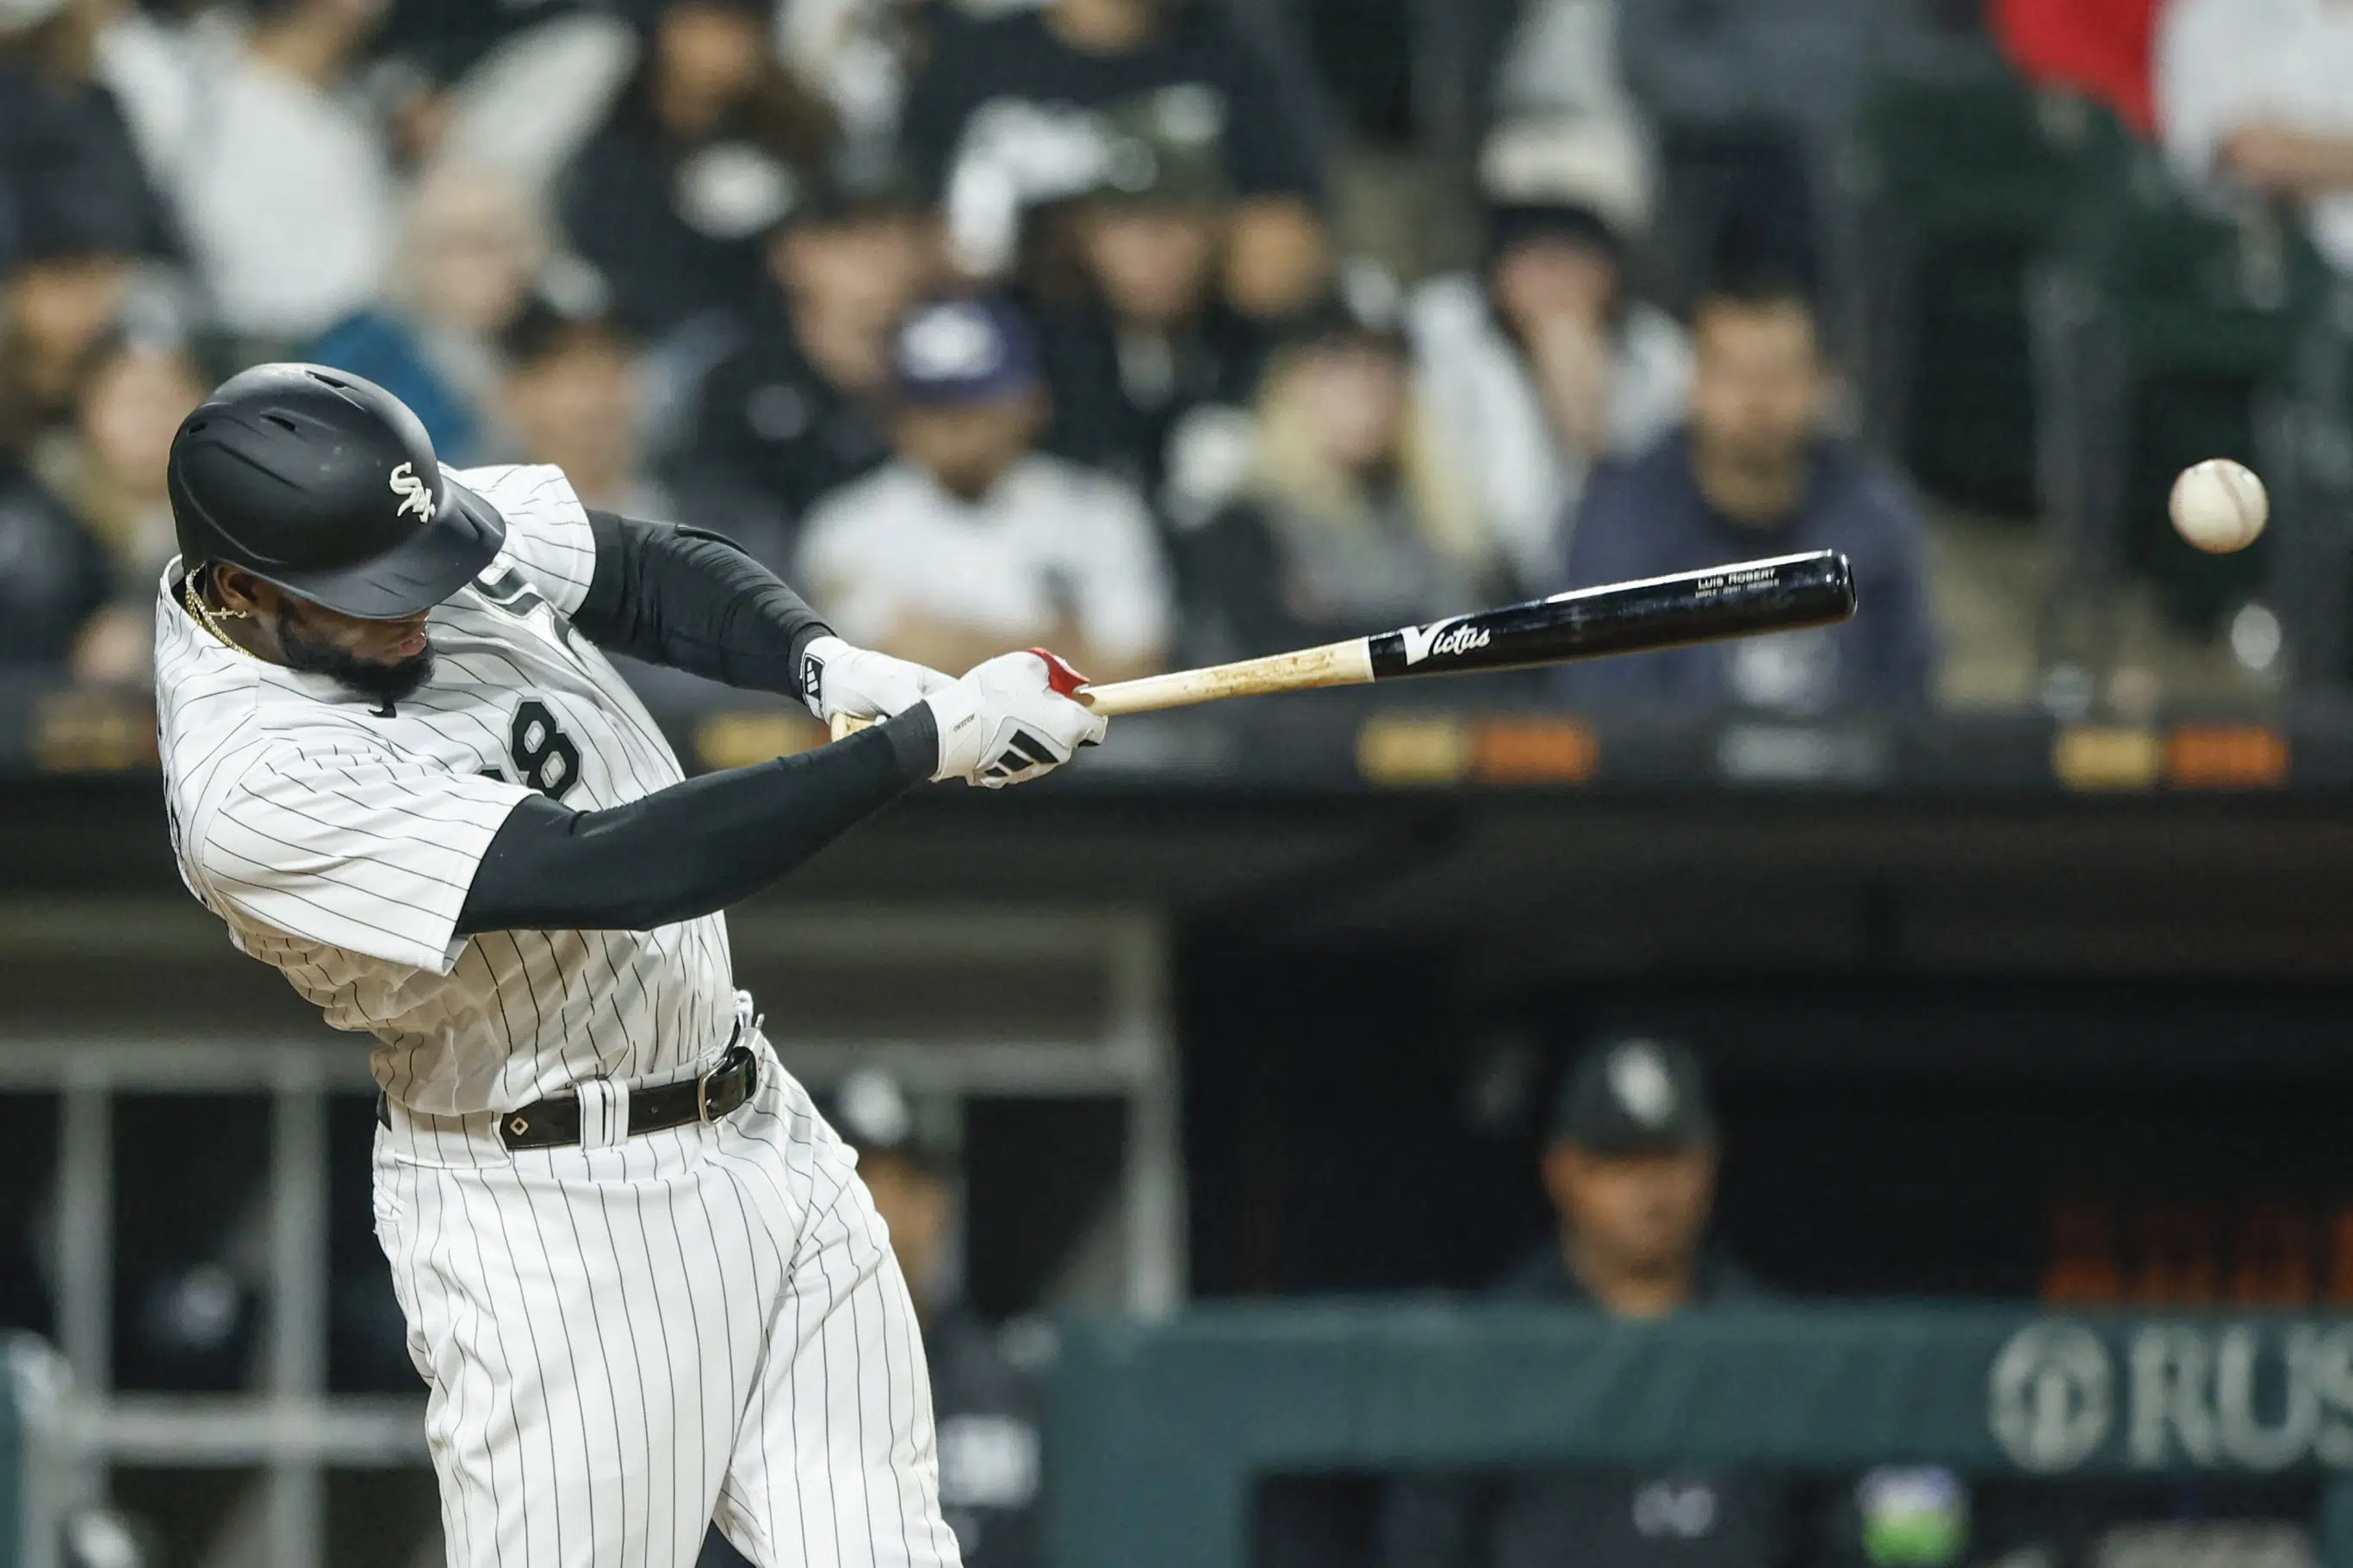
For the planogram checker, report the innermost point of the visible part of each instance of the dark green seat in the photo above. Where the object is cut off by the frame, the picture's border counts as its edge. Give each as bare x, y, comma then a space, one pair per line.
1962, 183
2191, 317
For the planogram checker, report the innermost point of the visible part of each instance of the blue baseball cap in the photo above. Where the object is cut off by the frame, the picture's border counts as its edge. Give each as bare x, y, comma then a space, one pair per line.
957, 352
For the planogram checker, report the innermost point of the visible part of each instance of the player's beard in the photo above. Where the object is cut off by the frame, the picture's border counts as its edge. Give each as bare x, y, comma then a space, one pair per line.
382, 683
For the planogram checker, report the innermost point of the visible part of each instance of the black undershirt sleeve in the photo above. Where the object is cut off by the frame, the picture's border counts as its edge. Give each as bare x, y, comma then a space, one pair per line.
694, 601
696, 846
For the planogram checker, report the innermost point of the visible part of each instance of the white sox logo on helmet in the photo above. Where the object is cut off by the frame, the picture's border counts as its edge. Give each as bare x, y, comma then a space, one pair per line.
415, 494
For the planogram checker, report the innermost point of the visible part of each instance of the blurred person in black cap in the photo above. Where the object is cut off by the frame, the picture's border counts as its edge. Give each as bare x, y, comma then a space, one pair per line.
1143, 353
1543, 362
985, 1393
798, 407
1008, 115
971, 541
1348, 516
673, 197
1631, 1169
1756, 473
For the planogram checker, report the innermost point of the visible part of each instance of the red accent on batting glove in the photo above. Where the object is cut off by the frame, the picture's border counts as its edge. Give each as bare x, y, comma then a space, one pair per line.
1058, 673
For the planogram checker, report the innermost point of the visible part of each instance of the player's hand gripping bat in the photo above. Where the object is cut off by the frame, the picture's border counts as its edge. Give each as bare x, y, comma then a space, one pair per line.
1745, 599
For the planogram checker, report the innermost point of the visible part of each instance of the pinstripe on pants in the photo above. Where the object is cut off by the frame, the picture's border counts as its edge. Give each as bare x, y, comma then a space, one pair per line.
624, 1342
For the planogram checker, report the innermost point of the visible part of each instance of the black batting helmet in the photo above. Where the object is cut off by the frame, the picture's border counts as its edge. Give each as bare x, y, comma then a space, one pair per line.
326, 484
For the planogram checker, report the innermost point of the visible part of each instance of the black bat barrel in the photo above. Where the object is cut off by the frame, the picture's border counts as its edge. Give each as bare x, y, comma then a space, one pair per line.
1743, 599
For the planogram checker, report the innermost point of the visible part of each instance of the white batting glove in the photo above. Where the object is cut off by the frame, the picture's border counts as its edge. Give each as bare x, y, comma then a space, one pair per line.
1009, 721
839, 680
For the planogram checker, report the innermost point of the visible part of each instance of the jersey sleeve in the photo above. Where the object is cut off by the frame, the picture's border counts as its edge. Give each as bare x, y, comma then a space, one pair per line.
548, 538
360, 849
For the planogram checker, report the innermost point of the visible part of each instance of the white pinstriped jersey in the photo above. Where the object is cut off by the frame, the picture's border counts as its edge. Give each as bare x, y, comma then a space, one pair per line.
338, 839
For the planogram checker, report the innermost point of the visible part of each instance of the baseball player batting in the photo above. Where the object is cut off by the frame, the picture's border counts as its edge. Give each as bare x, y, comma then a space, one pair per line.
640, 1276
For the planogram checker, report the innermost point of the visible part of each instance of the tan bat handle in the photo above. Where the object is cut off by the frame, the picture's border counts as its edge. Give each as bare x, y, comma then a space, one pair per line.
1346, 663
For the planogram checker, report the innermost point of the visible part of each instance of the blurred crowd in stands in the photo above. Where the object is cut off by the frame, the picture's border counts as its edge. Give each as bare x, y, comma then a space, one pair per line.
1158, 331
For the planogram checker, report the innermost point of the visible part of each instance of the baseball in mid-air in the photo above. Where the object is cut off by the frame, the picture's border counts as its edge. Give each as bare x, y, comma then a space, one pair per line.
2220, 506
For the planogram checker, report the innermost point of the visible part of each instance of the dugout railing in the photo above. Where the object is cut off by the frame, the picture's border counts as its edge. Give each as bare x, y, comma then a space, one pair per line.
1160, 1432
959, 1003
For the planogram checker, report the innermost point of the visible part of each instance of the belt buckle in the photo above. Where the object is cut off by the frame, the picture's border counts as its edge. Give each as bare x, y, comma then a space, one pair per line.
703, 1097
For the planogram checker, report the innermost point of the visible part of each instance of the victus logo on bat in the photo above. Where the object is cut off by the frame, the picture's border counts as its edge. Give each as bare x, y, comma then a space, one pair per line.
1442, 639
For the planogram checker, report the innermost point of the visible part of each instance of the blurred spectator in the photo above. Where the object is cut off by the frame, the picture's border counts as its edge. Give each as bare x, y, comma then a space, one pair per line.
109, 470
53, 575
860, 54
470, 246
1631, 1170
153, 58
569, 397
1803, 63
2105, 49
2254, 93
674, 196
444, 42
796, 408
525, 92
1561, 62
1010, 118
73, 268
64, 138
1143, 341
1752, 475
1543, 364
287, 189
970, 543
1350, 520
1749, 100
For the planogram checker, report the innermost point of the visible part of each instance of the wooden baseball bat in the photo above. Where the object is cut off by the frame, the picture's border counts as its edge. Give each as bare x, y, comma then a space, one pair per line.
1745, 599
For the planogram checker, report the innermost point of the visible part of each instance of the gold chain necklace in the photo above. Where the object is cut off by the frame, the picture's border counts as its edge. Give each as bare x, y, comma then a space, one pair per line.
206, 613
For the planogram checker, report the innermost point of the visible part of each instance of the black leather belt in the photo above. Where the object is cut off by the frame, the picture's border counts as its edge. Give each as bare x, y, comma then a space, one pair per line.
554, 1123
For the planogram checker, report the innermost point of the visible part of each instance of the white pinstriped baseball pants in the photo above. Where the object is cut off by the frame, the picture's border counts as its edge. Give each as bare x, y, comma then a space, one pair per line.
625, 1343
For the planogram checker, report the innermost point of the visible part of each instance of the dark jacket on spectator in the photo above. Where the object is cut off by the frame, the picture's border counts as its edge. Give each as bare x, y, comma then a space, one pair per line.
768, 421
1120, 407
1646, 518
67, 166
679, 225
619, 205
53, 575
1267, 143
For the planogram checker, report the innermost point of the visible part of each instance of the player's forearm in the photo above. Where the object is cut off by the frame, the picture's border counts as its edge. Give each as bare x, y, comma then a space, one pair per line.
695, 848
695, 601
